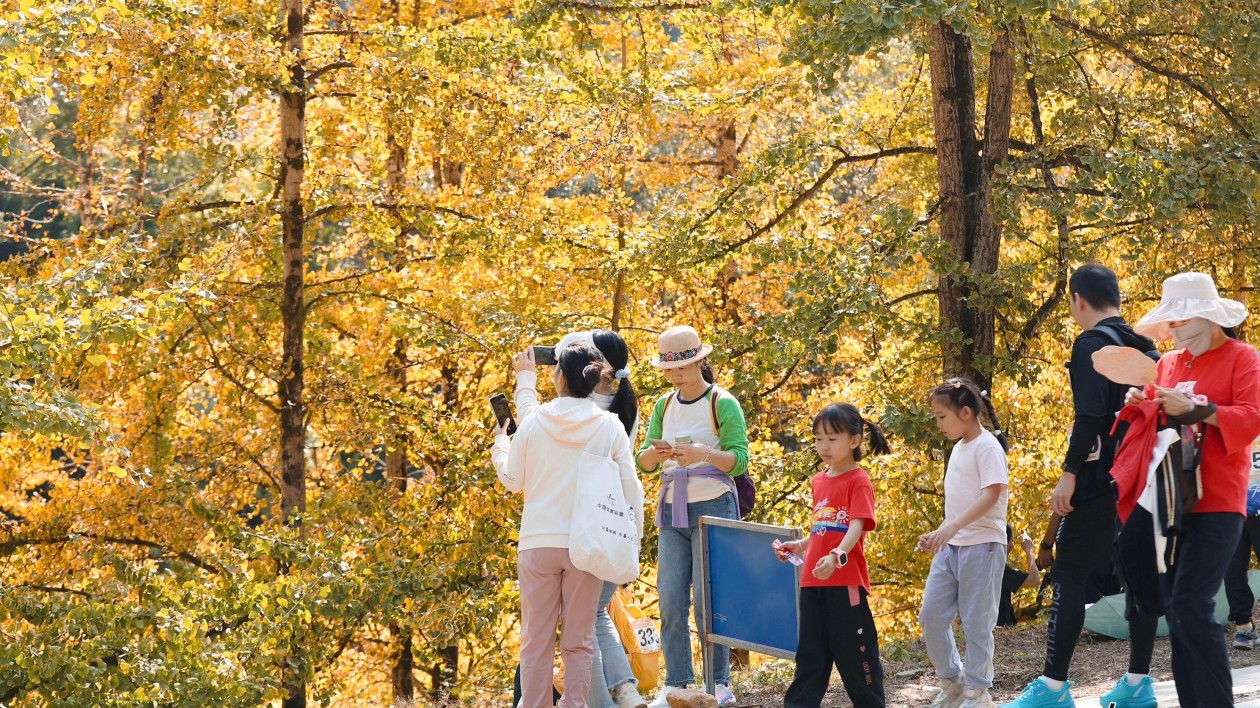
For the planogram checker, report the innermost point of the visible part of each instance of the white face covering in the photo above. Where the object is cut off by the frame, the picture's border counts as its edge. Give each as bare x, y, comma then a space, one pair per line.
1195, 335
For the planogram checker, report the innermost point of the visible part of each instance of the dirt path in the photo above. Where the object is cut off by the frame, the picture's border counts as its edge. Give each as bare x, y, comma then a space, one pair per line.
1020, 651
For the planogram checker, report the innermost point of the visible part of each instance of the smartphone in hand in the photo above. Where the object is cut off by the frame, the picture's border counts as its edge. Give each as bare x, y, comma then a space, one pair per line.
502, 412
661, 444
545, 356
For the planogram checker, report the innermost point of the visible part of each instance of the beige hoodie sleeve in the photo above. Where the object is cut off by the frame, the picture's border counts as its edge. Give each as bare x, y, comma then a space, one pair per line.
509, 461
526, 394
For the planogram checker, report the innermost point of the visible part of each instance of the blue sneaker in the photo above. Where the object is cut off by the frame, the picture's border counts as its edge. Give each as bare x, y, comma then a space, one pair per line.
1039, 695
1125, 695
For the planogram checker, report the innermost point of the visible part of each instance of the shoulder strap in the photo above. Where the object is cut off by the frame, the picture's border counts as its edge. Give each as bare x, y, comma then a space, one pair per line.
1111, 333
713, 403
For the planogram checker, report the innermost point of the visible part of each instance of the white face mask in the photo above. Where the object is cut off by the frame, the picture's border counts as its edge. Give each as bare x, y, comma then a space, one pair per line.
1194, 336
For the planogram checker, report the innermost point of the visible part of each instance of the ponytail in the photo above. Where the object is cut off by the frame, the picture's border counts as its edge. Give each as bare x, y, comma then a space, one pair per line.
959, 393
582, 368
845, 418
706, 371
625, 403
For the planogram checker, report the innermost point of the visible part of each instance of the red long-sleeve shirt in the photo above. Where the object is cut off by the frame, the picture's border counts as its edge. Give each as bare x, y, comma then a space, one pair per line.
1228, 376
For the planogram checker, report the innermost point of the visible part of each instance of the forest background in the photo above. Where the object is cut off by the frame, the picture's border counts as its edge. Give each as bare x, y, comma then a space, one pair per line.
264, 263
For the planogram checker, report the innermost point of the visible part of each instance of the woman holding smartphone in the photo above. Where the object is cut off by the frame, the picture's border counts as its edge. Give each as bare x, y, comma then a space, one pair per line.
543, 462
613, 684
698, 441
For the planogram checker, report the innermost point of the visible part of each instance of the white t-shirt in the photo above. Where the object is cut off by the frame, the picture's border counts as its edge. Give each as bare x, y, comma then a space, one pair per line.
972, 467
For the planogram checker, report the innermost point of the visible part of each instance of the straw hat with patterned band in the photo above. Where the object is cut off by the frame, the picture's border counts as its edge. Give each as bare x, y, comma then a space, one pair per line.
679, 346
1186, 296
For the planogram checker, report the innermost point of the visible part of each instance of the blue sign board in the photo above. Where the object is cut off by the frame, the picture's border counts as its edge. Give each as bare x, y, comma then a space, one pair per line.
749, 598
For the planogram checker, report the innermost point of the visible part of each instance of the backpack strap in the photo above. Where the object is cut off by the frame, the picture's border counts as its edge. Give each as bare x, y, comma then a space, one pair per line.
713, 403
1111, 333
714, 393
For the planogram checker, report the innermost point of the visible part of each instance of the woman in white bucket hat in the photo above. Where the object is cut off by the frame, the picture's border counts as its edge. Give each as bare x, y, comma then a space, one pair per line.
1210, 384
701, 445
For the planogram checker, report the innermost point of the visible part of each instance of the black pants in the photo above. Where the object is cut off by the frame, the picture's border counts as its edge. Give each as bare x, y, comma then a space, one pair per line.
833, 630
1086, 546
1200, 659
1237, 591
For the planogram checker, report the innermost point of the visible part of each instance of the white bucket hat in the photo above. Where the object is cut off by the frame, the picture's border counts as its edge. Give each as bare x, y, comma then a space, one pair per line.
1186, 296
679, 346
572, 338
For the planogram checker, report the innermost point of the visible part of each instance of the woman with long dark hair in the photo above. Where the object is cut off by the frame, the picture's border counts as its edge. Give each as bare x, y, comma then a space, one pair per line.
613, 684
544, 463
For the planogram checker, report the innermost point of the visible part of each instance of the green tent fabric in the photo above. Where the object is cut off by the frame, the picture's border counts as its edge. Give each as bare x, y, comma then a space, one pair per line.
1106, 617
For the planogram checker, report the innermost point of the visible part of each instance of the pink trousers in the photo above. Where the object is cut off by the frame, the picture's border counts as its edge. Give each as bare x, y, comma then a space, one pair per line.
552, 588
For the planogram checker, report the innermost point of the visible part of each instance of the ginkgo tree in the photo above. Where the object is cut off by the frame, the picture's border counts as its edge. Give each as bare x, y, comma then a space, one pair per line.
274, 258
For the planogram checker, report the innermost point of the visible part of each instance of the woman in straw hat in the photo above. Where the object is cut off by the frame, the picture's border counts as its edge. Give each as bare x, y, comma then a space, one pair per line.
698, 441
1211, 383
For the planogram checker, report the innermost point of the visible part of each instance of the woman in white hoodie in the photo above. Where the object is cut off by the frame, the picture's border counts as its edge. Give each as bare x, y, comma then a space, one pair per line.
613, 684
543, 464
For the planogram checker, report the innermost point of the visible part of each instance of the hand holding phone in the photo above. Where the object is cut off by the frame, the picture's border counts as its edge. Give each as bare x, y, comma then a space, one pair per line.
503, 412
661, 444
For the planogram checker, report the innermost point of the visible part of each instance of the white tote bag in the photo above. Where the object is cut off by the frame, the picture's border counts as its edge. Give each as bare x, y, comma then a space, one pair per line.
604, 537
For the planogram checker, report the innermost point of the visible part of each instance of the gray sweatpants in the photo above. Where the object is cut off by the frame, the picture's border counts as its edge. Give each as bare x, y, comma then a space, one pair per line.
964, 581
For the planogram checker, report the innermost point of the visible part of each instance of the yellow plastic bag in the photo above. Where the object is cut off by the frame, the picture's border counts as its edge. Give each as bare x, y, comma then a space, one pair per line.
640, 638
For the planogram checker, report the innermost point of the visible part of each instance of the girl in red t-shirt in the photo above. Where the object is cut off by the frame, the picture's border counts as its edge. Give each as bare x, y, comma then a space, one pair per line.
836, 626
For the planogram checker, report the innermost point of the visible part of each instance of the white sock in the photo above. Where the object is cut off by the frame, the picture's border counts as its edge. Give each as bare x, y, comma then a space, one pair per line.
1052, 683
1134, 679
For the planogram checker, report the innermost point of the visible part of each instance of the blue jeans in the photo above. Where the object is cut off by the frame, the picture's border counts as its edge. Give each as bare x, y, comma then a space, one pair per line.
611, 668
1200, 659
678, 581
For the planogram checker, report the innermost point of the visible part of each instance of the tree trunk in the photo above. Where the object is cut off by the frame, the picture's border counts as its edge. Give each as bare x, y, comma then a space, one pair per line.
968, 228
727, 149
293, 305
402, 676
445, 672
447, 172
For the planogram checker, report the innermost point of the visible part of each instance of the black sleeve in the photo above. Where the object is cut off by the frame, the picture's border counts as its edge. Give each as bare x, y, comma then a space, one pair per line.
1092, 414
1012, 579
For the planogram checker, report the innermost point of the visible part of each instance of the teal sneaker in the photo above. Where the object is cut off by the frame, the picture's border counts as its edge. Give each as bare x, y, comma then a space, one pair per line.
1126, 696
1039, 695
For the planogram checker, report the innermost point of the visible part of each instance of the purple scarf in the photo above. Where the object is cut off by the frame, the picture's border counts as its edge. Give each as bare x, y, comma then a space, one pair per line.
678, 504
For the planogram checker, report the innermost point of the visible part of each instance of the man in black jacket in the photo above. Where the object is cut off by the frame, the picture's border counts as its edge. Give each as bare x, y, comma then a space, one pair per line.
1084, 500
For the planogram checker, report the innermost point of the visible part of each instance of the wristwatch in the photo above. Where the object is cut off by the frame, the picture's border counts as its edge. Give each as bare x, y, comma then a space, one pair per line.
841, 556
1047, 546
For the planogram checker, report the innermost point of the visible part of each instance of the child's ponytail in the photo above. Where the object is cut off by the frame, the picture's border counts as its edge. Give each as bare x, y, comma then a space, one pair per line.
878, 443
846, 418
959, 393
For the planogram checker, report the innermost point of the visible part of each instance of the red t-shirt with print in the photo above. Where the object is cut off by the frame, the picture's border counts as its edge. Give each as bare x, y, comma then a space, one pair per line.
1228, 376
837, 501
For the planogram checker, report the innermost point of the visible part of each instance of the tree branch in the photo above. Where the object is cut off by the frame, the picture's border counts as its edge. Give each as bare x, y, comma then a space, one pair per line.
845, 159
312, 77
1150, 66
634, 7
12, 545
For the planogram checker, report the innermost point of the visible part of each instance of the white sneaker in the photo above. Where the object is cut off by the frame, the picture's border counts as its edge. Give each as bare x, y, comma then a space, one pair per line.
976, 698
950, 695
662, 700
724, 695
626, 695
